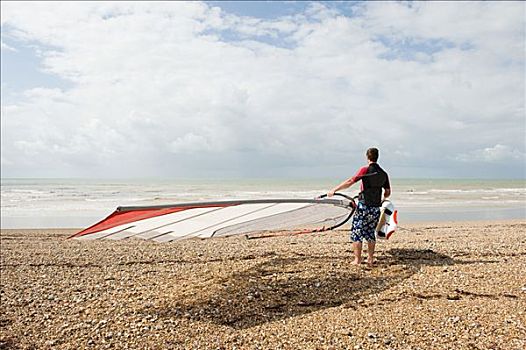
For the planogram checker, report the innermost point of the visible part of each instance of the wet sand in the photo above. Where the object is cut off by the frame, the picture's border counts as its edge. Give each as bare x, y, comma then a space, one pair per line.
434, 286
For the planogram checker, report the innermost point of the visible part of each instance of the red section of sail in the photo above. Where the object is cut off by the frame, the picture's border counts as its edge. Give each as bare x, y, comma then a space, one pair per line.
125, 217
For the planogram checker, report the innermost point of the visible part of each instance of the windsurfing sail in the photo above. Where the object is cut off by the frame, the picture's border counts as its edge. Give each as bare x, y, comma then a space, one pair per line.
165, 223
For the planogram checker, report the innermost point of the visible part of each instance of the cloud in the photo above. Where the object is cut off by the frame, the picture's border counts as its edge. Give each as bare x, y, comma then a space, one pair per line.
160, 85
7, 47
497, 154
190, 143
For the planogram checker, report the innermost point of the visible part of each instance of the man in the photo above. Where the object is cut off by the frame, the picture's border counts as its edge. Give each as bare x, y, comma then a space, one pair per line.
367, 214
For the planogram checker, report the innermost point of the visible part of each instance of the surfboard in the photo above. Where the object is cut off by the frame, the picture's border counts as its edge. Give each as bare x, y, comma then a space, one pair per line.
388, 221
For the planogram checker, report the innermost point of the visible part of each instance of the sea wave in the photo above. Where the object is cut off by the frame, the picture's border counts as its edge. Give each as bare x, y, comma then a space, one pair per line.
56, 197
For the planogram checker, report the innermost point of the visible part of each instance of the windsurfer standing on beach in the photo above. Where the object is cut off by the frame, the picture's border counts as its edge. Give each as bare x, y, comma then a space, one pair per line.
367, 214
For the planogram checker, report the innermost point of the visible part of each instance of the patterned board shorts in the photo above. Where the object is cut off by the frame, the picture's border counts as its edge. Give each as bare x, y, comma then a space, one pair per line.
364, 223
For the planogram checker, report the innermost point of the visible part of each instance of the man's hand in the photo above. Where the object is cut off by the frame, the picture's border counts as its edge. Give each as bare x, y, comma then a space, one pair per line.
330, 194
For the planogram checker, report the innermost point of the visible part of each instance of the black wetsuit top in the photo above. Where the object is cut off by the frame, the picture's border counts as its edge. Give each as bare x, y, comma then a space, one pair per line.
374, 178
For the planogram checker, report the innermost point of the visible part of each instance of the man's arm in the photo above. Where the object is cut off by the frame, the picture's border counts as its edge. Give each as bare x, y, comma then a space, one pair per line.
349, 182
387, 188
346, 184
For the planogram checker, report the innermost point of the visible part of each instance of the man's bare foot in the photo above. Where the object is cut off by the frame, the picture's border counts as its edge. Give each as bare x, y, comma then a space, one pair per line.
356, 262
370, 262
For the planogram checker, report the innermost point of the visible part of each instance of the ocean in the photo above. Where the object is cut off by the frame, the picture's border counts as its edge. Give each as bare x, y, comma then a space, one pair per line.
78, 203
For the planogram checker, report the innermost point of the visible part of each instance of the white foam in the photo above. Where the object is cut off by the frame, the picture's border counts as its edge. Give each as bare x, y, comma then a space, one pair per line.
90, 198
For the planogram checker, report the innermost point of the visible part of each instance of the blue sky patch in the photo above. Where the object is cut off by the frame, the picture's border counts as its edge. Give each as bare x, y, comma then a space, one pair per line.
22, 68
233, 36
261, 9
275, 9
408, 48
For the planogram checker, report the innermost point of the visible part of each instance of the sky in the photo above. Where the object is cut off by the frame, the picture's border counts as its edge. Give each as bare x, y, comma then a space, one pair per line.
262, 89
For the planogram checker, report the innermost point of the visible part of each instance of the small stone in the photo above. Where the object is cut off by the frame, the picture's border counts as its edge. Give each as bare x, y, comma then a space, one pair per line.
454, 319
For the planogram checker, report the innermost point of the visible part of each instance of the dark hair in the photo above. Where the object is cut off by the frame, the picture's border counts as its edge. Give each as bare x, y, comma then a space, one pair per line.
372, 154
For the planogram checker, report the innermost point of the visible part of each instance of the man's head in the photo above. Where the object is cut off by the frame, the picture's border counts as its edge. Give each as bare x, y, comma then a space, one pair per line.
372, 154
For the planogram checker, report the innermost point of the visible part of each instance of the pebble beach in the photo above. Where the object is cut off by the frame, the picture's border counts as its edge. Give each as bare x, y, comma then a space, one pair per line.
447, 285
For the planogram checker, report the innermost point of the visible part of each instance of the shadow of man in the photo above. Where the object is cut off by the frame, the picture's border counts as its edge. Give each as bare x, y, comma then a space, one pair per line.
283, 287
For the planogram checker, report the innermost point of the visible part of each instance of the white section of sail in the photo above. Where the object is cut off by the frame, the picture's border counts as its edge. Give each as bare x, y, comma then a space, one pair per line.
309, 217
206, 225
142, 226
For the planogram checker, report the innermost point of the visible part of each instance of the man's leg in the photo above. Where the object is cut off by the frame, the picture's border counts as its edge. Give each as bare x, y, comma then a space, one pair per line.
357, 247
374, 214
370, 252
356, 233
